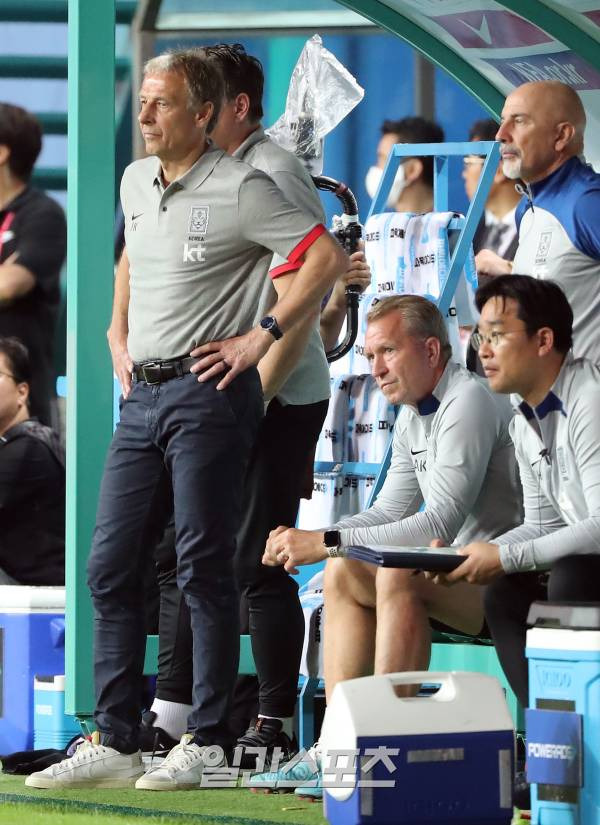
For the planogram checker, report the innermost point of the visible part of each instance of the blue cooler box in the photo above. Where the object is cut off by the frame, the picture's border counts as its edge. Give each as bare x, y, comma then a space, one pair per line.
446, 757
32, 641
563, 720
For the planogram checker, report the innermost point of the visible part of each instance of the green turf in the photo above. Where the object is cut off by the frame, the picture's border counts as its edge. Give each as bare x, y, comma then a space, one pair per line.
20, 805
207, 807
14, 813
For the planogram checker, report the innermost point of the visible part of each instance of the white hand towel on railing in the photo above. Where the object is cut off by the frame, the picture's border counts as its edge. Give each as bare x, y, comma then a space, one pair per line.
384, 251
428, 250
333, 440
360, 362
323, 507
370, 421
411, 253
335, 497
355, 361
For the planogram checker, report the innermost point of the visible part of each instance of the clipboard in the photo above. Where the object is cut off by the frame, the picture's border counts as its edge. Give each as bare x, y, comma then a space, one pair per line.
434, 559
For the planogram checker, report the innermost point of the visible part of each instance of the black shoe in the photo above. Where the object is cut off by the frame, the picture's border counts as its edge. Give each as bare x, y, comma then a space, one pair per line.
154, 740
267, 734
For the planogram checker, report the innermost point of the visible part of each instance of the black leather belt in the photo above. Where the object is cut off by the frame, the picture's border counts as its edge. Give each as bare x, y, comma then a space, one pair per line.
157, 372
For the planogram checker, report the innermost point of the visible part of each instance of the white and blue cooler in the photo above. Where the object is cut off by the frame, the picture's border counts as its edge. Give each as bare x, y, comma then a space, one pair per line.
32, 641
563, 720
444, 756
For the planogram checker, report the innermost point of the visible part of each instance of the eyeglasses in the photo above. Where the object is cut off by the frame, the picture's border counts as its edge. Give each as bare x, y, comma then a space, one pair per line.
492, 339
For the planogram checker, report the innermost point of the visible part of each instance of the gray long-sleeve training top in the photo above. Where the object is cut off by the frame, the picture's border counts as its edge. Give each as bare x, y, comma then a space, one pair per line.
557, 446
454, 453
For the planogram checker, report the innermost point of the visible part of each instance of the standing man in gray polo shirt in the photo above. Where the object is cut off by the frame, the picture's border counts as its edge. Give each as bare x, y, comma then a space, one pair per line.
199, 226
295, 380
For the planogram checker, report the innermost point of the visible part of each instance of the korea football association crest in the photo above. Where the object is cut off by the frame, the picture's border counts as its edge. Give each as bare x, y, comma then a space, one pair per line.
198, 220
543, 249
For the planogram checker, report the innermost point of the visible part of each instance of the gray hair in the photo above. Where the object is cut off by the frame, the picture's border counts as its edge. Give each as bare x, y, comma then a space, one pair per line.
202, 78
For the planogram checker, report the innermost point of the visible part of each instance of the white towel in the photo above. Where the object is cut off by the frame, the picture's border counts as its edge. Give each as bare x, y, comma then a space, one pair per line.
426, 257
322, 508
335, 496
411, 253
349, 500
332, 442
370, 421
343, 366
311, 599
385, 250
355, 362
428, 245
365, 488
360, 363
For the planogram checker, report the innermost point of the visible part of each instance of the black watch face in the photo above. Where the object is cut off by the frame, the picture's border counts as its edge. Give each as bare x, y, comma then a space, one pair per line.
331, 538
269, 323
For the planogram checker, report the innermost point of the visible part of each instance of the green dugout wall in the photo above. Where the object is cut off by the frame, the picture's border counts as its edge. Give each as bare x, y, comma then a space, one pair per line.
488, 47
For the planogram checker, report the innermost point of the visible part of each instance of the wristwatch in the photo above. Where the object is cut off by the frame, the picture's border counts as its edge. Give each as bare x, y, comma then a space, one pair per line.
332, 542
269, 323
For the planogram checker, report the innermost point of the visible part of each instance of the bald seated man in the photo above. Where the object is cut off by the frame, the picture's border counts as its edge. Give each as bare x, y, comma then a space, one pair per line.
541, 132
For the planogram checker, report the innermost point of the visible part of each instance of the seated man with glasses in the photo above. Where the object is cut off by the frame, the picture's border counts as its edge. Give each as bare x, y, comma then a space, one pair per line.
497, 230
524, 342
32, 481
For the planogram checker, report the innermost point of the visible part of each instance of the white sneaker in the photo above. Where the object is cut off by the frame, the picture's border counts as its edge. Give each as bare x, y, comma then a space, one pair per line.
92, 766
183, 767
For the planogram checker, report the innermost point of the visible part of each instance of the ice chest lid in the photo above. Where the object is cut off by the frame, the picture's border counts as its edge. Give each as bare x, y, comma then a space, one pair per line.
565, 616
16, 598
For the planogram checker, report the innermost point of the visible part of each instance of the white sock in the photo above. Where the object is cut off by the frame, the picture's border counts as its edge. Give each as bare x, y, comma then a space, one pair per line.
171, 717
287, 722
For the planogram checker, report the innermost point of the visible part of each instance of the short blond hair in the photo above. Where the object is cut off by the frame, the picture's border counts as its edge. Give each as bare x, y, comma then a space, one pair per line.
421, 316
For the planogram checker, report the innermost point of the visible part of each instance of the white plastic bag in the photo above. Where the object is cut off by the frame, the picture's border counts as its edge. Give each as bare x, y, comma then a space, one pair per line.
322, 92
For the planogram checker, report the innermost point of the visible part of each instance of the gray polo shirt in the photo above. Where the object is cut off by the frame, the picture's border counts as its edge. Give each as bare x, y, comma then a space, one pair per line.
199, 251
453, 453
309, 381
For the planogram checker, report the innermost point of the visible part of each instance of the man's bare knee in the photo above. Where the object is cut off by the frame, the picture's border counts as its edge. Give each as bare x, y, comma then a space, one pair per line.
346, 579
396, 584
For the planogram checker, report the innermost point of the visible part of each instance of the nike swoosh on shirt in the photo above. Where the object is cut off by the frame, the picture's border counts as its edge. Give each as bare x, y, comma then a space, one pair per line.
135, 217
416, 452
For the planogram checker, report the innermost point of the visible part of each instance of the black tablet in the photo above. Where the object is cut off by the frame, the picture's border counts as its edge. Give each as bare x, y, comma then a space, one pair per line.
434, 559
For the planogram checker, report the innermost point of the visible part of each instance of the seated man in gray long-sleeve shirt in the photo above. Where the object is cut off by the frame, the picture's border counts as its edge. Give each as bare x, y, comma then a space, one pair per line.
525, 334
452, 452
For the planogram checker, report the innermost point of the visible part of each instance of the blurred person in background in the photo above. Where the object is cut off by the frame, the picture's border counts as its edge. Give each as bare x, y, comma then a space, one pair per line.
33, 243
32, 481
498, 229
412, 189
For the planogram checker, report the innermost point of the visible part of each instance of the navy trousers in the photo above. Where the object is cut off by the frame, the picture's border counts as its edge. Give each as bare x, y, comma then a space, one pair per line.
196, 439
